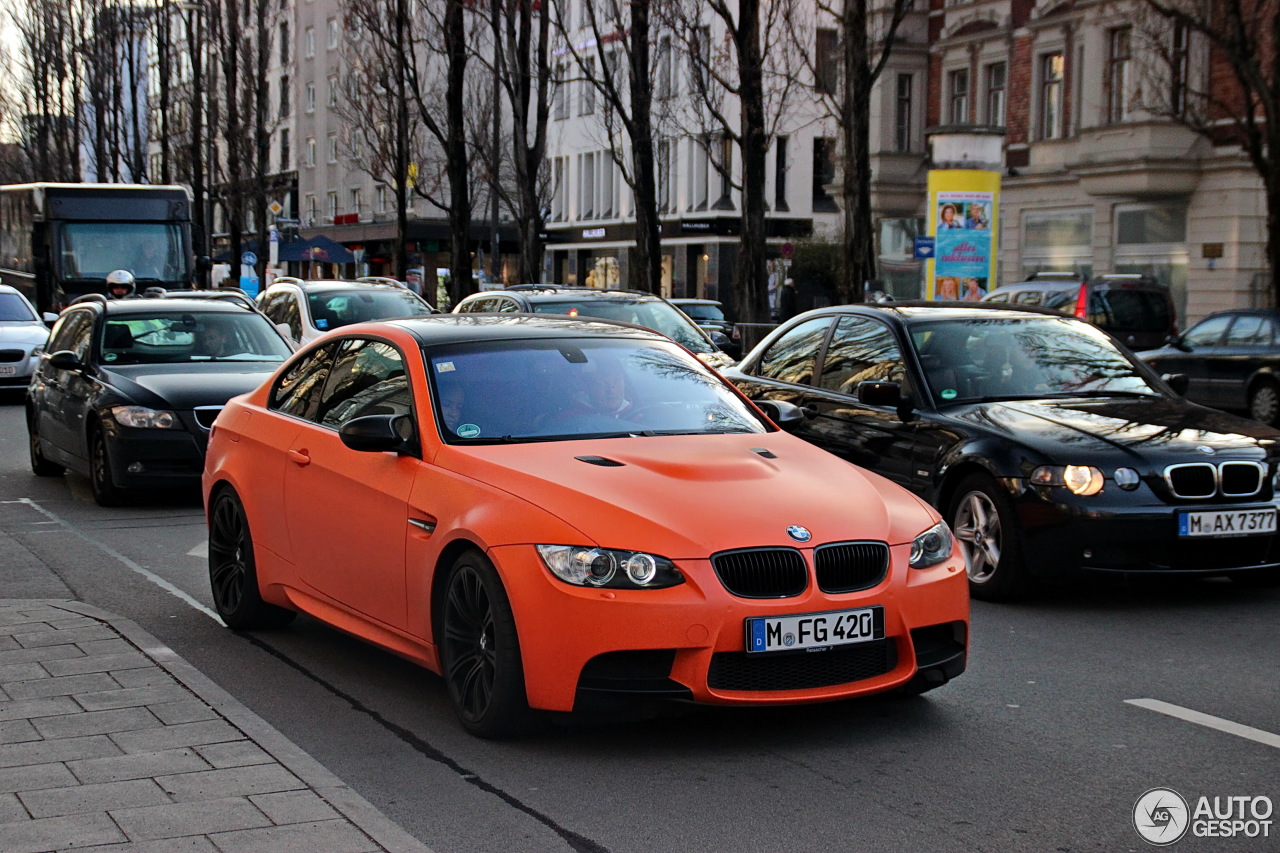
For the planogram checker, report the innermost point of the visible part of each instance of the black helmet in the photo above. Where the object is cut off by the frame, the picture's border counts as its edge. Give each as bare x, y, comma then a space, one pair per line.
119, 284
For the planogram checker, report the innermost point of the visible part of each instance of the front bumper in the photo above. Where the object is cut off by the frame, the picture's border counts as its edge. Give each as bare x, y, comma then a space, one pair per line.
580, 646
155, 458
1066, 538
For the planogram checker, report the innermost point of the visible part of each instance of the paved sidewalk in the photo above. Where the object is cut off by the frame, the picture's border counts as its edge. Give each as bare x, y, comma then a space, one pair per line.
111, 742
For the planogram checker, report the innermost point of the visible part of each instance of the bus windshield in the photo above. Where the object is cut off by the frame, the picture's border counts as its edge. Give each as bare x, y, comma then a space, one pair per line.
150, 250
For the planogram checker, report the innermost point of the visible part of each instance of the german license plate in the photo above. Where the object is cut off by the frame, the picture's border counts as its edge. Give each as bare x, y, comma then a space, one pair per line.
8, 370
814, 631
1230, 522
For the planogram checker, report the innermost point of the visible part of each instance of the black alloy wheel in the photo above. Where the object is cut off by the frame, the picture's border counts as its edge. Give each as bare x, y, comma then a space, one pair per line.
982, 517
1264, 402
105, 490
233, 576
480, 652
40, 466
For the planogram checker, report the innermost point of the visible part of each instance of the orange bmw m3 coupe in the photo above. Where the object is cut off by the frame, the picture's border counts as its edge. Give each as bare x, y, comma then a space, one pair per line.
559, 515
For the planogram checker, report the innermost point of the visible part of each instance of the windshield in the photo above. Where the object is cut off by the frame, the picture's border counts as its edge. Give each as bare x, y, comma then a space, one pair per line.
333, 308
1027, 358
14, 308
552, 390
190, 336
150, 250
703, 312
652, 314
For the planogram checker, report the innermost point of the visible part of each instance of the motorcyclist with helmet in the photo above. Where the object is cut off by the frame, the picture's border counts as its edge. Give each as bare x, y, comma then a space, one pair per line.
120, 285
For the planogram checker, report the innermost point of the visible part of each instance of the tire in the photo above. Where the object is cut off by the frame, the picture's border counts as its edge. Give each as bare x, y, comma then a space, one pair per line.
233, 575
40, 466
1264, 402
105, 490
480, 651
985, 525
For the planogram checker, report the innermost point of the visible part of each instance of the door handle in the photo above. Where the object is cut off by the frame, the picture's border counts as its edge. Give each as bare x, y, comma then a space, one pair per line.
301, 457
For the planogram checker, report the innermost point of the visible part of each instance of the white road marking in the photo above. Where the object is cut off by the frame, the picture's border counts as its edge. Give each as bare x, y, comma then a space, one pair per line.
107, 549
200, 550
1208, 720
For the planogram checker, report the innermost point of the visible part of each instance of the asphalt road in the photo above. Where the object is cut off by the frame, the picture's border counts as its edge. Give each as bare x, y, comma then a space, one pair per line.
1036, 748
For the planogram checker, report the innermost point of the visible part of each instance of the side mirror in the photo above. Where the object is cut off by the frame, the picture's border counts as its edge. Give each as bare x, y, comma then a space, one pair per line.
788, 416
720, 339
1178, 382
66, 360
379, 434
1176, 342
885, 394
49, 318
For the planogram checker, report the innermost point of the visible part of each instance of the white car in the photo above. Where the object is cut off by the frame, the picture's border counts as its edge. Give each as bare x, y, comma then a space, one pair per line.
305, 310
22, 338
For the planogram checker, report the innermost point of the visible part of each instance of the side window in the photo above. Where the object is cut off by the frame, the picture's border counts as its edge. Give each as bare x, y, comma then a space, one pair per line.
368, 378
476, 306
1244, 331
793, 356
998, 297
73, 332
289, 314
1207, 333
1266, 336
271, 307
1028, 297
509, 306
298, 391
861, 350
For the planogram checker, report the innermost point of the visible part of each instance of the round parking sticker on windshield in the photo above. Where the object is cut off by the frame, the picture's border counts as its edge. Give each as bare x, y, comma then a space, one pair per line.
109, 356
948, 393
468, 431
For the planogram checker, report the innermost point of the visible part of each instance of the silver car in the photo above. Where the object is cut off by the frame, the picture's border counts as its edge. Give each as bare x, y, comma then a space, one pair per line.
22, 338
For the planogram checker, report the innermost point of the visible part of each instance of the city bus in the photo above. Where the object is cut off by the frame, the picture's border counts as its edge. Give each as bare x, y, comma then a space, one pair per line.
59, 241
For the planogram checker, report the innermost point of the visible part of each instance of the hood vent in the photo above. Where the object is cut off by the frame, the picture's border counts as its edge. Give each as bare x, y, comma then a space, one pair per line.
765, 452
601, 461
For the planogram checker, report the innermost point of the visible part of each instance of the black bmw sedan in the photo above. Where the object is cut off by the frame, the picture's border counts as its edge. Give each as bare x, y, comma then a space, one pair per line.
126, 391
1050, 450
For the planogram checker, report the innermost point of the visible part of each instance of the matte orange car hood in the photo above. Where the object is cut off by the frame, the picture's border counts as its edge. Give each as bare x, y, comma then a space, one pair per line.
686, 497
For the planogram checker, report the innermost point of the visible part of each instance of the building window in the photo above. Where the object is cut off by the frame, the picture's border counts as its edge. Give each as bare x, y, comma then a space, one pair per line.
700, 57
333, 205
284, 149
560, 92
700, 163
332, 24
284, 97
903, 118
333, 92
1178, 54
664, 175
284, 43
333, 148
1060, 240
996, 76
559, 189
311, 151
780, 173
665, 89
958, 96
606, 184
309, 42
826, 61
1052, 66
1118, 61
824, 174
380, 198
724, 165
311, 209
586, 185
311, 97
355, 202
357, 142
587, 96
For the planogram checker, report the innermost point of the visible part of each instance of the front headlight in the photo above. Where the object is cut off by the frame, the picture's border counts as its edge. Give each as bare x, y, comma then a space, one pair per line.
143, 418
931, 547
582, 565
1080, 479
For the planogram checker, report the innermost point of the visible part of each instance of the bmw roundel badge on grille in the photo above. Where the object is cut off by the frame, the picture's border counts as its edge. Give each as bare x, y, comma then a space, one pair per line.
798, 533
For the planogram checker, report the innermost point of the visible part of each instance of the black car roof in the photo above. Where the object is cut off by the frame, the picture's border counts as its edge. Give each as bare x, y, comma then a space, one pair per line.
177, 305
467, 328
545, 292
914, 311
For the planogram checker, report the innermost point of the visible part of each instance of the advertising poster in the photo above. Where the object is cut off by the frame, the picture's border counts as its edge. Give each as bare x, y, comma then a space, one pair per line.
962, 219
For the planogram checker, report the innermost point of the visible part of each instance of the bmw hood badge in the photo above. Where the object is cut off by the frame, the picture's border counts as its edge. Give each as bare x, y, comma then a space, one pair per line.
798, 533
1205, 449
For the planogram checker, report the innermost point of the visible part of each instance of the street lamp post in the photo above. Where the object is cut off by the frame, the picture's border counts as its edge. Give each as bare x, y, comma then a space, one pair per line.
195, 42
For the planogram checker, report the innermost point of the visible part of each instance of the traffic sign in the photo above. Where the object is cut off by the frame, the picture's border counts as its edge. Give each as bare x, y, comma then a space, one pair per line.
249, 259
275, 207
924, 247
788, 250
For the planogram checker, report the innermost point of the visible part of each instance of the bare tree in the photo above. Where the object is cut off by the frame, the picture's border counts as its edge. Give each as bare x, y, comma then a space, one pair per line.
844, 47
47, 87
1240, 106
740, 94
617, 62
